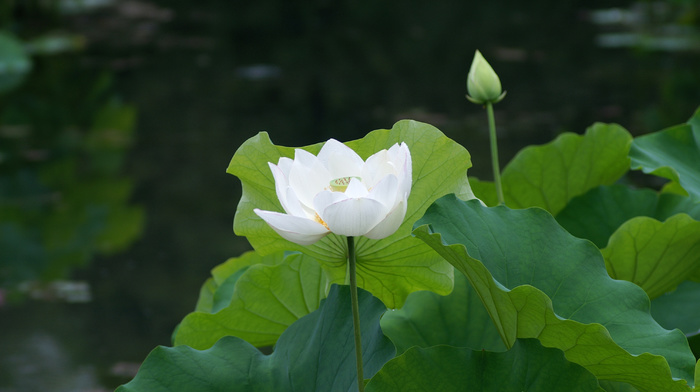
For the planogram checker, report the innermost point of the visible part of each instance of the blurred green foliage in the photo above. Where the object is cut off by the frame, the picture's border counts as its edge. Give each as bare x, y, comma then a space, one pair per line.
14, 62
64, 137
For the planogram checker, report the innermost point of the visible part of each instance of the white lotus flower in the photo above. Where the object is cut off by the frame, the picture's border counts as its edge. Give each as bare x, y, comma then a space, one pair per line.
337, 192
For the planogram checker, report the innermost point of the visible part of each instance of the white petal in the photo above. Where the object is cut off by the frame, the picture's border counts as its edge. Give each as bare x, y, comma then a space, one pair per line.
353, 217
340, 159
400, 156
390, 223
356, 189
397, 153
308, 177
294, 206
304, 157
377, 167
407, 170
281, 184
293, 228
326, 198
285, 164
387, 192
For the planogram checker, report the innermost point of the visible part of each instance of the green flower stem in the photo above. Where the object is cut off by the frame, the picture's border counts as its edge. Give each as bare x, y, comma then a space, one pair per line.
355, 312
494, 153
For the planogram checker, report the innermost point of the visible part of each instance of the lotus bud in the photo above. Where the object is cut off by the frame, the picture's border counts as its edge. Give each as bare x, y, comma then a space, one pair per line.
483, 84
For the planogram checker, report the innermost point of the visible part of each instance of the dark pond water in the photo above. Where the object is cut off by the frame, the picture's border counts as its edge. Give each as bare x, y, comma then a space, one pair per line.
156, 96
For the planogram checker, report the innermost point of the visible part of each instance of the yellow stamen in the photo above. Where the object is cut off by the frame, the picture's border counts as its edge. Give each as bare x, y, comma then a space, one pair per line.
319, 220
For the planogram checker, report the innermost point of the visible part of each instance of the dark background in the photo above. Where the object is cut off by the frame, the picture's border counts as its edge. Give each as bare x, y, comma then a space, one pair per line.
202, 77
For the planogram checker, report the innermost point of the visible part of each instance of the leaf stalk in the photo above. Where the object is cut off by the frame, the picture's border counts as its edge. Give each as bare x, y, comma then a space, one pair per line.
494, 153
355, 312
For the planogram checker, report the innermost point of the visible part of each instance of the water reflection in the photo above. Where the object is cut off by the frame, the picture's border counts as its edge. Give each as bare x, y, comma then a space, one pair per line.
649, 26
204, 78
40, 362
64, 199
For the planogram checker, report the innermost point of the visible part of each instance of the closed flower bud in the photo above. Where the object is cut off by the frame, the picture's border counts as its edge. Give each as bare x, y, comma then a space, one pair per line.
483, 84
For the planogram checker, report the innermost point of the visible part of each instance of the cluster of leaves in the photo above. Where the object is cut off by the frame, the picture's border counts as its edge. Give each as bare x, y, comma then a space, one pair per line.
504, 298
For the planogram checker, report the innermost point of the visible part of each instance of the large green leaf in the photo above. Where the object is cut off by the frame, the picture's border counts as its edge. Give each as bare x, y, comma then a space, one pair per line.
256, 302
550, 175
484, 190
526, 367
428, 319
672, 153
216, 293
316, 353
613, 386
596, 214
655, 255
390, 268
205, 302
600, 323
677, 308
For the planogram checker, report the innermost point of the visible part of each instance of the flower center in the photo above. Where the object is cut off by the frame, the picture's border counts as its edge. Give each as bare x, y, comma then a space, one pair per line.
341, 184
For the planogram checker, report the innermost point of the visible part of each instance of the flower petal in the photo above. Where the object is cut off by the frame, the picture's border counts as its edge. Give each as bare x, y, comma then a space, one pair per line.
407, 170
377, 167
304, 157
285, 164
387, 192
294, 206
400, 156
353, 216
326, 198
293, 228
341, 160
390, 223
308, 177
286, 194
281, 184
356, 188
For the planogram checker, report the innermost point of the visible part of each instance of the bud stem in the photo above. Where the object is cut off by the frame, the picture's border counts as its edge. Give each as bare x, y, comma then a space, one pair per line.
494, 153
355, 313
